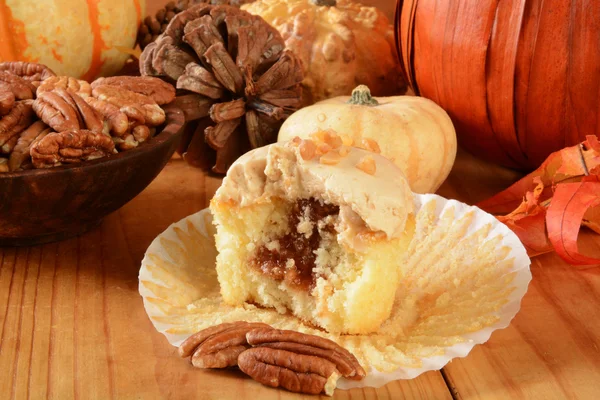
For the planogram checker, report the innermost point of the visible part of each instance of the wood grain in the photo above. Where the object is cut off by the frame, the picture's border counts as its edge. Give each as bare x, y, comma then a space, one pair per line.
551, 350
72, 324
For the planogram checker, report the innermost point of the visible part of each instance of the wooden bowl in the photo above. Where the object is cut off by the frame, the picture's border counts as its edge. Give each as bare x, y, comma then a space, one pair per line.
46, 205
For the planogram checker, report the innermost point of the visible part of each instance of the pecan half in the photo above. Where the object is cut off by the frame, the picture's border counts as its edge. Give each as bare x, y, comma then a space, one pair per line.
218, 346
158, 90
127, 100
141, 133
22, 89
3, 165
301, 343
90, 119
7, 100
56, 112
32, 72
19, 118
71, 146
9, 145
294, 372
126, 142
118, 123
20, 153
82, 88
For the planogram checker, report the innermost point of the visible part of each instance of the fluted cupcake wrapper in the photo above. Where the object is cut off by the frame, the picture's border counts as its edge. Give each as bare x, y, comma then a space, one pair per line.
464, 277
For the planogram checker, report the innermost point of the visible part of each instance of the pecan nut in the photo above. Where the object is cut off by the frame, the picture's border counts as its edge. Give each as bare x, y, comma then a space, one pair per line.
69, 147
301, 343
21, 152
32, 72
10, 144
3, 165
218, 346
19, 118
7, 100
88, 117
294, 372
125, 142
92, 119
118, 122
132, 138
127, 101
22, 89
82, 88
141, 133
63, 109
158, 90
56, 112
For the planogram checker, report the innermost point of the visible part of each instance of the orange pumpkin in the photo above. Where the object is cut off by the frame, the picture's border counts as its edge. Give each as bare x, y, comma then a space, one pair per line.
78, 38
520, 79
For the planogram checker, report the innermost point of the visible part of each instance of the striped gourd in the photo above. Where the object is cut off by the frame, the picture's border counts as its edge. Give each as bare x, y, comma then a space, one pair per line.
78, 38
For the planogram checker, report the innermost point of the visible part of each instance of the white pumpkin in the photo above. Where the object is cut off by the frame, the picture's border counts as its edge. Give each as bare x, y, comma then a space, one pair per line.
413, 132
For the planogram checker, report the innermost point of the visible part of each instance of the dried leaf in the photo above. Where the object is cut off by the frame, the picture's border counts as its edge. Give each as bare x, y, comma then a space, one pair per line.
564, 216
547, 208
591, 219
528, 221
562, 166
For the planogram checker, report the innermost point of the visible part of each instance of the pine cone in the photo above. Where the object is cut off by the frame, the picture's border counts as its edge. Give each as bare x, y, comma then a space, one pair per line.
234, 78
152, 27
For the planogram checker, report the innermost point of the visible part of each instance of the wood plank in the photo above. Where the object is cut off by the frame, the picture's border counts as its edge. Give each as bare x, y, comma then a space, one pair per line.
552, 348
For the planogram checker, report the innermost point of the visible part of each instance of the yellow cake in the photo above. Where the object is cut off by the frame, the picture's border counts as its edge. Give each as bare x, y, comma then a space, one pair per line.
315, 228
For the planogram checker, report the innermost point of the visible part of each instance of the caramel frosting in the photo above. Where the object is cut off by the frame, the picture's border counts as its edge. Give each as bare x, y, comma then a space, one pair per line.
378, 198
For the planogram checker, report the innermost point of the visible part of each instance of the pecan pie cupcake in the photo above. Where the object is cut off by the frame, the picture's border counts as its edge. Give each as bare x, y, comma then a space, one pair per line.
315, 228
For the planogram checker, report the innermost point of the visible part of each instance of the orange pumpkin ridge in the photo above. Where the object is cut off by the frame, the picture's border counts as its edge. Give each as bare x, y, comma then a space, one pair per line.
11, 28
99, 45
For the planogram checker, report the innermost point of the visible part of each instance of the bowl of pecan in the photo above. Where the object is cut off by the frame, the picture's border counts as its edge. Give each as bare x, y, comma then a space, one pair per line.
72, 152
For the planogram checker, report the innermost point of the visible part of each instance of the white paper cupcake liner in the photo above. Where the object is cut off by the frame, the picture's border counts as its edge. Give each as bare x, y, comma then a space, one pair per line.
465, 277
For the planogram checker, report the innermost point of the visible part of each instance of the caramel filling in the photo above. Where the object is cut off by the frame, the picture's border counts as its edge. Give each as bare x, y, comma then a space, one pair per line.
291, 257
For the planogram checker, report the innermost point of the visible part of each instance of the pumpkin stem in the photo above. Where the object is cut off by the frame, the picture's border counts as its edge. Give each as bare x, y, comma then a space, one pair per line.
327, 3
361, 95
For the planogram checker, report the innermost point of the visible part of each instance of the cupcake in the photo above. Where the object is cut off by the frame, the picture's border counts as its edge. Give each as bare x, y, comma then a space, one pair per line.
316, 229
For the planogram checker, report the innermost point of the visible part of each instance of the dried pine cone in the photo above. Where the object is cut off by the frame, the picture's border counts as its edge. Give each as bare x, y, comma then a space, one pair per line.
234, 78
152, 27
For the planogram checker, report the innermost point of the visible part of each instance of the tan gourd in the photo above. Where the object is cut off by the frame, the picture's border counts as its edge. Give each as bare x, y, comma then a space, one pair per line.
341, 44
414, 132
79, 38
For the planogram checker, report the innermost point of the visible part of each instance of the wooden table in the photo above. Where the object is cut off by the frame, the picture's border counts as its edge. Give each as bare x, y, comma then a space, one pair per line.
72, 324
